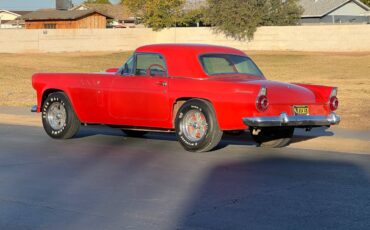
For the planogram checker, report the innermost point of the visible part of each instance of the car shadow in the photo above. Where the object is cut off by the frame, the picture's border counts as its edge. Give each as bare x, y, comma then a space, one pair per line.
275, 192
300, 135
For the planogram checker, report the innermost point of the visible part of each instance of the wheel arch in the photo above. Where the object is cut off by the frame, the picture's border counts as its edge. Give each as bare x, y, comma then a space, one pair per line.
46, 93
49, 91
182, 100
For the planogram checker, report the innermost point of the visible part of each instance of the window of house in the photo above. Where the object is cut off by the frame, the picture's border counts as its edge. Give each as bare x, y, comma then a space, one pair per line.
50, 26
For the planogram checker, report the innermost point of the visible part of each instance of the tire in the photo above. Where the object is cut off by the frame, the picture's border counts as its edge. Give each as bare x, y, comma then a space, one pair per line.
134, 133
273, 137
58, 117
204, 134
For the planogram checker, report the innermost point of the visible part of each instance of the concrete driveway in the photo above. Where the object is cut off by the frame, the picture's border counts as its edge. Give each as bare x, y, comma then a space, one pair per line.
104, 180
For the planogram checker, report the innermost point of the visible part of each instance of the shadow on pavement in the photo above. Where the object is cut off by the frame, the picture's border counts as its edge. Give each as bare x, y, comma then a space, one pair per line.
300, 135
107, 183
281, 193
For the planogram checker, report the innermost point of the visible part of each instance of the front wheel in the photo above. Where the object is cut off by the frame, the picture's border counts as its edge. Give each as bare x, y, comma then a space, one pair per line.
58, 117
273, 137
197, 127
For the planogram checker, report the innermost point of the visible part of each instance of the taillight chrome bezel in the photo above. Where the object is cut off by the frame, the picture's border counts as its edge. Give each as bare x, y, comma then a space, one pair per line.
333, 103
333, 100
262, 102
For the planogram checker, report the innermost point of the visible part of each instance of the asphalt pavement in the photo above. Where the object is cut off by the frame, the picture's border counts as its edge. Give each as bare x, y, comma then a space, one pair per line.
104, 180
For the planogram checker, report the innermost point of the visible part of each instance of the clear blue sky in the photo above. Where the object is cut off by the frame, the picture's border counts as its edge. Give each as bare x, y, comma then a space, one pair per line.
32, 4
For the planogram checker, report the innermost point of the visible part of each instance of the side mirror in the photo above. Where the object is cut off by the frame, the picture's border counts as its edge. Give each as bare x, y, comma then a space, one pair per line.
125, 70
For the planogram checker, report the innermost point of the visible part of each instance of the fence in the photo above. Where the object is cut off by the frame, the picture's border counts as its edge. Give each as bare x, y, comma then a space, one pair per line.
327, 38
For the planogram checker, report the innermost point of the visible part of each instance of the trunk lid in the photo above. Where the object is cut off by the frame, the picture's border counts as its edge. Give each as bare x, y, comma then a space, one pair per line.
277, 92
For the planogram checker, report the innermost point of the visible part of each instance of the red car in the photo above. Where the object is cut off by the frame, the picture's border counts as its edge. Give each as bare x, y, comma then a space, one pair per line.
196, 91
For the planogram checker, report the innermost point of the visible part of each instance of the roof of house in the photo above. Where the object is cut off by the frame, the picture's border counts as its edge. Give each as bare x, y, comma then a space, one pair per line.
118, 11
9, 12
320, 8
21, 12
60, 15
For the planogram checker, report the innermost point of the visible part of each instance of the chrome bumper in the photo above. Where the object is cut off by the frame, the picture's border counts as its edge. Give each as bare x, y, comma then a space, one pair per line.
299, 120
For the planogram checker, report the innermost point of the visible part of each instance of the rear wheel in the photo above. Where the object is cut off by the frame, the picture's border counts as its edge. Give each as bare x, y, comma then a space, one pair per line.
197, 127
58, 117
273, 137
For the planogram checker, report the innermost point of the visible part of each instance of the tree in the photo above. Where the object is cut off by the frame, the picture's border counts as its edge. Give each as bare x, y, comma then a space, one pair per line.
281, 13
157, 14
235, 18
239, 19
367, 2
192, 17
97, 1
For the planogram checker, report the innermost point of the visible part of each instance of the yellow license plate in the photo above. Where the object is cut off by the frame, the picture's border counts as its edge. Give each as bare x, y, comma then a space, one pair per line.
301, 110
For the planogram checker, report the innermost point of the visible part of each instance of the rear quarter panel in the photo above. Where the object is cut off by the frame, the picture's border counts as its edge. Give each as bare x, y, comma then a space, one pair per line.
322, 94
231, 101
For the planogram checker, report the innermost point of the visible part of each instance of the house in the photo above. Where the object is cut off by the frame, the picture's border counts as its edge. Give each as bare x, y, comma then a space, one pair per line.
335, 11
319, 11
122, 16
66, 19
11, 19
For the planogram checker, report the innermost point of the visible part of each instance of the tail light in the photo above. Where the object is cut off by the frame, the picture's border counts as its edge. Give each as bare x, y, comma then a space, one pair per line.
262, 101
333, 101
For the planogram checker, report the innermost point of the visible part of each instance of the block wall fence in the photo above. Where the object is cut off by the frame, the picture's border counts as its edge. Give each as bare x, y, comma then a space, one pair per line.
322, 38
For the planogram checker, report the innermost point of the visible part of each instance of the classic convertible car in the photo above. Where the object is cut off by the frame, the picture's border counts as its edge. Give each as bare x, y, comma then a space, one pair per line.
196, 91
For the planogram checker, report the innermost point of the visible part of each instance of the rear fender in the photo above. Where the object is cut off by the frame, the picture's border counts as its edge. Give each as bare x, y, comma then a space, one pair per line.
322, 93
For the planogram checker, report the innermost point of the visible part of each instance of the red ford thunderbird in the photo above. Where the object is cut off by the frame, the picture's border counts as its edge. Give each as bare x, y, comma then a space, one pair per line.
196, 91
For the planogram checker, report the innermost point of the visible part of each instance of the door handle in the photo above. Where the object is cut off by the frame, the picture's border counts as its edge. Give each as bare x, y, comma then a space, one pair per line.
161, 83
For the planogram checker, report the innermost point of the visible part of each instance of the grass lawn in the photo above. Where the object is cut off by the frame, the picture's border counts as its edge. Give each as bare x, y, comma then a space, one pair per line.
350, 72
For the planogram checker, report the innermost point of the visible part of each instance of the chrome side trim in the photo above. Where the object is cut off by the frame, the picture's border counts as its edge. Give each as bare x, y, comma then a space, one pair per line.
299, 120
34, 109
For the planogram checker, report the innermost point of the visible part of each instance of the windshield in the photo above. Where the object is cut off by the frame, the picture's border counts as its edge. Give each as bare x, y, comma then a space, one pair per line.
214, 64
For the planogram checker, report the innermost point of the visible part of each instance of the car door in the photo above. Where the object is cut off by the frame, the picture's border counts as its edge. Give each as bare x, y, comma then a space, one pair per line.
138, 97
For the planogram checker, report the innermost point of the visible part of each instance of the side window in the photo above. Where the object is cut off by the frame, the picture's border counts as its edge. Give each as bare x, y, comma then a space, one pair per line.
150, 65
127, 68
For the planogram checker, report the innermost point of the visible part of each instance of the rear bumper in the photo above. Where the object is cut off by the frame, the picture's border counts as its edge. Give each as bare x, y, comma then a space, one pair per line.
285, 120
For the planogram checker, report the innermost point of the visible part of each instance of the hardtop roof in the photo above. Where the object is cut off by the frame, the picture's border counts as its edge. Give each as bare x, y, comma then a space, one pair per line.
183, 59
188, 48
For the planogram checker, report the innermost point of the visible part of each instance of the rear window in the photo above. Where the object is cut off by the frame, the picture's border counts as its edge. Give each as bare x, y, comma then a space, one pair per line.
215, 64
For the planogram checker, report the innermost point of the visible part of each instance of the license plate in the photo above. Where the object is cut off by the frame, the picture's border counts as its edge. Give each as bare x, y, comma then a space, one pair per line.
300, 109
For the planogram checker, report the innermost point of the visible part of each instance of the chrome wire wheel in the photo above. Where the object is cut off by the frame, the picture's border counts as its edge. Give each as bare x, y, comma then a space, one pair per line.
194, 125
56, 116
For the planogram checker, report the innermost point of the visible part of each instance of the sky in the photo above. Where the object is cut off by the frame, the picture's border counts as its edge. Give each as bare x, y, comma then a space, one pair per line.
33, 4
